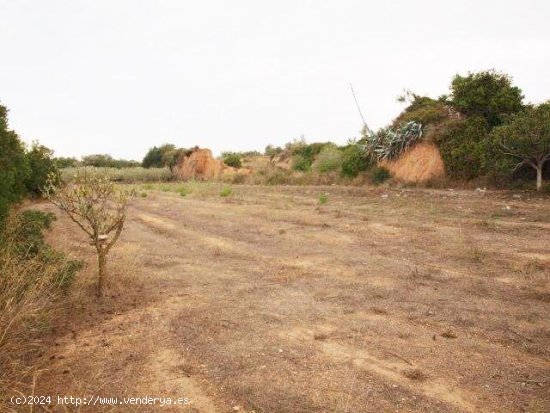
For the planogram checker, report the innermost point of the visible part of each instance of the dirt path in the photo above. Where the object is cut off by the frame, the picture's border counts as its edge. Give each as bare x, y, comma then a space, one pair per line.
403, 301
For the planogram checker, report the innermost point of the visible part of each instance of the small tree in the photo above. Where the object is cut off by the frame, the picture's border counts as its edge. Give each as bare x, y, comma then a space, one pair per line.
526, 137
93, 203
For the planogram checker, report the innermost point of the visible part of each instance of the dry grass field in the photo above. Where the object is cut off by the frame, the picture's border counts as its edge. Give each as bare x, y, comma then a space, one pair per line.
268, 301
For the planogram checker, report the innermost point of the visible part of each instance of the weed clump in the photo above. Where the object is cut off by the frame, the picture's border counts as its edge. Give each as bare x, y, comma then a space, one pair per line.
32, 276
183, 191
226, 191
380, 175
415, 374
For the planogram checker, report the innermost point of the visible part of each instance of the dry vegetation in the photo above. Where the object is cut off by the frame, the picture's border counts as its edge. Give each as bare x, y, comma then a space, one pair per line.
267, 301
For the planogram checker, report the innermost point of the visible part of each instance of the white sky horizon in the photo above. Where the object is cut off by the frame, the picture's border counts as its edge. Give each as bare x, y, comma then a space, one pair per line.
86, 77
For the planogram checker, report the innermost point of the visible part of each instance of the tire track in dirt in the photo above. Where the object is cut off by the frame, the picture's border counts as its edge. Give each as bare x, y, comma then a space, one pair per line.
435, 389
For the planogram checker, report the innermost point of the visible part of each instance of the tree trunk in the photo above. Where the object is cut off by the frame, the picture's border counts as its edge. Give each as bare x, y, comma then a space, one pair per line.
539, 176
102, 263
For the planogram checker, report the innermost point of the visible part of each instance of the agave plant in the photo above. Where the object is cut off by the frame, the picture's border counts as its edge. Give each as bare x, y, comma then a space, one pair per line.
390, 144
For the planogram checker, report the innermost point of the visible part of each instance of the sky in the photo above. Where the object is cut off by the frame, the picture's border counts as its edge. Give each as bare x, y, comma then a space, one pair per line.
121, 76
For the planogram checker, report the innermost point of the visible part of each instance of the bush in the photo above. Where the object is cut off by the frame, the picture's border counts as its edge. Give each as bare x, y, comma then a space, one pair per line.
465, 148
304, 154
488, 94
299, 163
329, 159
353, 161
226, 191
41, 165
183, 191
424, 110
166, 155
232, 159
380, 175
14, 168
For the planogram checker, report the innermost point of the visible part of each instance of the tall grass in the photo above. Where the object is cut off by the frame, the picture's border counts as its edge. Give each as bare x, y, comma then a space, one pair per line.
32, 276
125, 175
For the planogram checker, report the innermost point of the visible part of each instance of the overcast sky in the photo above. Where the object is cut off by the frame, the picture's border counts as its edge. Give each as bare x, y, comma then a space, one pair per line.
119, 76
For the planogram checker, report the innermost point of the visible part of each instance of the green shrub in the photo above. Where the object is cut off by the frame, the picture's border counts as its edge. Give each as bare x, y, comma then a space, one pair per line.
183, 191
41, 166
488, 94
25, 238
226, 191
143, 194
232, 159
380, 175
465, 147
155, 156
323, 198
14, 168
304, 154
353, 161
28, 234
424, 110
329, 159
299, 163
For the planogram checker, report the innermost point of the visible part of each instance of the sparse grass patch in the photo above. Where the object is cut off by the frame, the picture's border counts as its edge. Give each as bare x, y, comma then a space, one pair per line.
323, 198
182, 190
379, 310
415, 374
226, 191
449, 334
320, 336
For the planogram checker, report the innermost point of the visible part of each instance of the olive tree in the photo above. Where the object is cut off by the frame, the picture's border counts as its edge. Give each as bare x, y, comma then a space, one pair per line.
94, 204
526, 137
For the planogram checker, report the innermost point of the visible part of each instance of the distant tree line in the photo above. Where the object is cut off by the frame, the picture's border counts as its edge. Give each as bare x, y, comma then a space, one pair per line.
96, 160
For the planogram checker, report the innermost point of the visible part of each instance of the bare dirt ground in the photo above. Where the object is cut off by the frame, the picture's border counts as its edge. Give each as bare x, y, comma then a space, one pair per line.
266, 301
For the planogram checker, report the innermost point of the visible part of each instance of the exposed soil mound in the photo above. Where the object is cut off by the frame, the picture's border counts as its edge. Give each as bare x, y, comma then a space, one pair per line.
420, 163
199, 164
